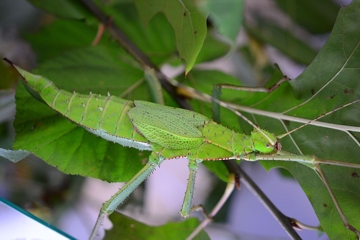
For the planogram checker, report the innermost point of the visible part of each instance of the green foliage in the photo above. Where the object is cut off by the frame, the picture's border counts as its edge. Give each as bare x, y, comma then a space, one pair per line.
225, 15
138, 230
188, 23
166, 33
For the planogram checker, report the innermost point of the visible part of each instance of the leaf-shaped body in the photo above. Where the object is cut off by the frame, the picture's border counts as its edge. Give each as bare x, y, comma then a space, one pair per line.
169, 127
105, 116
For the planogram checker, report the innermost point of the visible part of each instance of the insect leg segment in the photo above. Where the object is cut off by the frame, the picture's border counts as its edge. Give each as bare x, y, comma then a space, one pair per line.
154, 85
186, 207
255, 89
308, 161
209, 217
111, 205
154, 161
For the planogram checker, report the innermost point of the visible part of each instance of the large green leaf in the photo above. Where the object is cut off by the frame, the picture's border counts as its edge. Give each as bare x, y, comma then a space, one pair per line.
158, 38
61, 36
329, 82
67, 34
188, 23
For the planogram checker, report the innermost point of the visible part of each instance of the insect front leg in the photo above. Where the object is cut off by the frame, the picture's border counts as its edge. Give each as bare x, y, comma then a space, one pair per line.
110, 206
228, 190
186, 207
255, 89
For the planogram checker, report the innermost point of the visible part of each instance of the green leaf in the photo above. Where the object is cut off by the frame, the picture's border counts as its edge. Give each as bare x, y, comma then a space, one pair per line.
317, 20
47, 134
128, 228
61, 36
212, 49
156, 39
329, 82
188, 23
69, 34
226, 15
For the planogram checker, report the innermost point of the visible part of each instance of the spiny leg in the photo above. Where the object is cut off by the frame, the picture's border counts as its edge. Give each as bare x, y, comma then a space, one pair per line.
154, 85
192, 93
186, 207
110, 206
256, 89
307, 160
208, 217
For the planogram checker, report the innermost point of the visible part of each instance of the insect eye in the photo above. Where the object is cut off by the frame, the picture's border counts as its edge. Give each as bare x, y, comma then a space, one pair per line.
267, 145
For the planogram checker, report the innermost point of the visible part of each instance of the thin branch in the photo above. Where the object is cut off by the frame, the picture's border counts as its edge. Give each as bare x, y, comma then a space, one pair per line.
283, 220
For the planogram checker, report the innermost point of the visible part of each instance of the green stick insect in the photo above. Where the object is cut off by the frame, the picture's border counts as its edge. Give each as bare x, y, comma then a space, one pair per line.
168, 133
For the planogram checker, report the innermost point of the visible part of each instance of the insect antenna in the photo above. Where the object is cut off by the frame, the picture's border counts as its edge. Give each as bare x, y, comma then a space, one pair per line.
319, 117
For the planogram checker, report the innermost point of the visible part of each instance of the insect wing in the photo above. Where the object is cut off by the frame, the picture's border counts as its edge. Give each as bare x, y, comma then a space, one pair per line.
187, 117
167, 126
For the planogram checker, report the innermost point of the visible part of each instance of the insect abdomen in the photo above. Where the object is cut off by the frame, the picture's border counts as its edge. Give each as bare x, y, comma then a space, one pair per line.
100, 114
